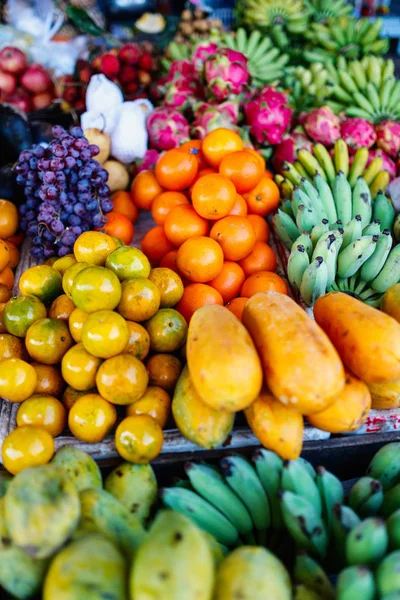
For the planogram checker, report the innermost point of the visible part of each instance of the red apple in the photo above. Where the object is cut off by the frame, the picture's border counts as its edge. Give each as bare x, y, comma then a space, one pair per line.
146, 62
36, 79
8, 83
42, 100
110, 65
20, 99
127, 74
12, 60
129, 53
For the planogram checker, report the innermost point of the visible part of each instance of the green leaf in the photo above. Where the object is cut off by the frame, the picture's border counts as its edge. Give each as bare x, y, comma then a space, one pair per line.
83, 21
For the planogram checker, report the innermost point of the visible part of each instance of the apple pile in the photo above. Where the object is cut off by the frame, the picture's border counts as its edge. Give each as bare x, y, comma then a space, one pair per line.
29, 87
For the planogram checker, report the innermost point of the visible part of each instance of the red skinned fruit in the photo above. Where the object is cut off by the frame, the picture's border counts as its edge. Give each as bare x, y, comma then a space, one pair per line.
127, 74
13, 60
42, 100
8, 83
110, 65
21, 100
129, 54
146, 62
36, 79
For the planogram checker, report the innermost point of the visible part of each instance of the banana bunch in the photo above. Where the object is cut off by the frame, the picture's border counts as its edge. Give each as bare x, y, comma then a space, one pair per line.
309, 88
265, 61
347, 36
322, 10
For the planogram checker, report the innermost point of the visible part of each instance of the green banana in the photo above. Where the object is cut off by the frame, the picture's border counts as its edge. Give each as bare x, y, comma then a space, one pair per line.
304, 240
303, 524
315, 200
331, 491
358, 166
391, 501
326, 196
362, 202
328, 249
366, 496
300, 198
297, 263
341, 157
286, 206
385, 466
295, 478
308, 467
373, 170
325, 160
318, 230
372, 267
390, 274
343, 198
344, 519
291, 173
310, 163
306, 217
367, 543
314, 281
388, 574
286, 228
301, 170
308, 572
354, 256
302, 592
384, 211
393, 529
269, 470
396, 229
338, 226
355, 583
352, 231
374, 228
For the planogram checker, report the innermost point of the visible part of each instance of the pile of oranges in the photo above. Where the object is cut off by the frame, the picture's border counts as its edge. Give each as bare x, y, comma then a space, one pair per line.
209, 199
9, 253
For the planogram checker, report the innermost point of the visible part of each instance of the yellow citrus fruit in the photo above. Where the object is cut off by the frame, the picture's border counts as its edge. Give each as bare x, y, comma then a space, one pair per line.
164, 370
139, 439
47, 340
12, 347
75, 322
93, 247
25, 447
44, 411
69, 276
96, 288
41, 281
63, 263
4, 255
79, 368
61, 308
127, 261
139, 341
155, 402
170, 285
167, 330
18, 379
122, 379
140, 299
49, 379
91, 418
105, 334
70, 396
21, 312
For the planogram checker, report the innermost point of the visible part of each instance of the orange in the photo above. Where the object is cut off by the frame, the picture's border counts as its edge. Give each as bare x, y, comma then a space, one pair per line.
61, 308
169, 261
219, 143
21, 312
156, 245
41, 281
194, 147
75, 322
164, 371
175, 170
47, 340
63, 263
127, 261
7, 277
122, 379
95, 288
18, 379
195, 296
260, 158
182, 223
261, 258
229, 281
123, 204
4, 254
79, 368
164, 203
91, 418
200, 173
140, 299
11, 347
240, 207
260, 226
118, 225
200, 259
144, 189
263, 198
235, 235
8, 219
25, 447
105, 334
93, 247
243, 169
139, 341
14, 255
43, 411
167, 330
5, 293
236, 306
213, 196
268, 174
263, 281
49, 380
70, 396
139, 439
169, 284
69, 276
155, 403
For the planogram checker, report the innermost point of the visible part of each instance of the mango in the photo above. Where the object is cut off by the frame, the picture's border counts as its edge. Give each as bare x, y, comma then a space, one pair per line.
174, 562
223, 362
135, 487
385, 395
90, 568
252, 573
196, 420
5, 479
42, 510
79, 467
391, 302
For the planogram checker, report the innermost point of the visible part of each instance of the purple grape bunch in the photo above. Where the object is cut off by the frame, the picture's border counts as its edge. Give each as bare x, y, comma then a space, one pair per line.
66, 192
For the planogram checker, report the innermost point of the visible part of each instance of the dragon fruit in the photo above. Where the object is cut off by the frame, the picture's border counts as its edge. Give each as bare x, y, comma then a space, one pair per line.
388, 164
323, 126
388, 137
226, 73
209, 117
181, 93
358, 133
180, 68
268, 116
200, 55
148, 162
287, 149
167, 128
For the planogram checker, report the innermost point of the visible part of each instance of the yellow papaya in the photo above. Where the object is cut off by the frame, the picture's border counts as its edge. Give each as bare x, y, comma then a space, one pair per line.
301, 367
391, 302
195, 419
385, 395
349, 409
278, 427
134, 486
81, 469
367, 339
223, 362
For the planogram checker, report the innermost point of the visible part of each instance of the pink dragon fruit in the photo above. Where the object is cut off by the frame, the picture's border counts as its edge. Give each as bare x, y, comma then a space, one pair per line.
357, 133
167, 128
287, 149
181, 92
226, 73
180, 68
148, 162
388, 164
202, 52
323, 126
209, 117
388, 137
268, 116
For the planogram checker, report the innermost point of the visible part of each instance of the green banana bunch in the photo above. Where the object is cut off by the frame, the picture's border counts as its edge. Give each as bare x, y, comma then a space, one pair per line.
355, 582
367, 542
393, 529
304, 524
321, 10
388, 575
308, 87
309, 573
269, 470
385, 466
366, 497
391, 501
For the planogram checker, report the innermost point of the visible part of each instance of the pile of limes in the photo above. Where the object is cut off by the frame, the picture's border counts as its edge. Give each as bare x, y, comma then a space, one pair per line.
91, 333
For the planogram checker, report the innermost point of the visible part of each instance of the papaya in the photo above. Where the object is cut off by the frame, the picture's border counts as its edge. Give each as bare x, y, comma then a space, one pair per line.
385, 395
391, 302
174, 562
278, 427
252, 573
20, 574
79, 467
222, 360
349, 409
90, 568
102, 513
195, 419
42, 510
367, 339
301, 367
134, 486
5, 479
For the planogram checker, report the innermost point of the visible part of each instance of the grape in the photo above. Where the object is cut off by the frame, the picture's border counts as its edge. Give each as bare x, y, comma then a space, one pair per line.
76, 230
60, 151
52, 192
85, 172
92, 205
56, 164
22, 168
63, 250
86, 154
79, 209
77, 132
94, 149
25, 156
37, 251
104, 191
56, 227
20, 179
49, 176
106, 205
33, 163
48, 252
74, 153
43, 164
83, 185
103, 174
31, 202
98, 220
70, 162
74, 220
39, 151
58, 131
